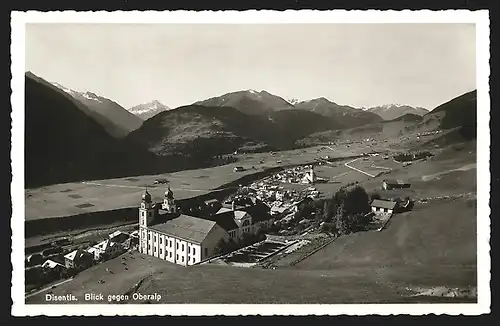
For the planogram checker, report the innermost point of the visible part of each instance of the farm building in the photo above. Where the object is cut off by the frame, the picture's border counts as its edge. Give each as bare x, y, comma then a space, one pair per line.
53, 266
106, 247
78, 258
382, 207
394, 184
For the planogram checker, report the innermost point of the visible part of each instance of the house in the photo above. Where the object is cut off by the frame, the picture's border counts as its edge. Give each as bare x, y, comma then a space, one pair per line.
106, 248
383, 207
35, 259
394, 184
78, 258
212, 206
244, 215
53, 266
119, 237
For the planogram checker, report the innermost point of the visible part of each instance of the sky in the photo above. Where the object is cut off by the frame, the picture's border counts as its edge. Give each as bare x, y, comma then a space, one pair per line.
361, 65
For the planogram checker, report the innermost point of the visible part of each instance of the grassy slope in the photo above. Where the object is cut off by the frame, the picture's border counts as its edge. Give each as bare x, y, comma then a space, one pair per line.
434, 236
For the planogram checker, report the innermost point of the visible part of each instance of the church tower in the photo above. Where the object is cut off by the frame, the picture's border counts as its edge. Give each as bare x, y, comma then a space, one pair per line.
169, 202
146, 216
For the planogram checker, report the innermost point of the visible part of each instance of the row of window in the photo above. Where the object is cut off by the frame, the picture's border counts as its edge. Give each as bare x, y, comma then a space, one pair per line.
168, 254
169, 243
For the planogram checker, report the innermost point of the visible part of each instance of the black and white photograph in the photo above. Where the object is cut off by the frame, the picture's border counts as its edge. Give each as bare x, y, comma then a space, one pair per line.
289, 162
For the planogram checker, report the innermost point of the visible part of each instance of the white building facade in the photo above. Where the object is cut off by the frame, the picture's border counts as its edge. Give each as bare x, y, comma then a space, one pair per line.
183, 240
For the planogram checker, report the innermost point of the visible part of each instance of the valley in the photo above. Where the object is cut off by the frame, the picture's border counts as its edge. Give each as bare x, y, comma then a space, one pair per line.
86, 177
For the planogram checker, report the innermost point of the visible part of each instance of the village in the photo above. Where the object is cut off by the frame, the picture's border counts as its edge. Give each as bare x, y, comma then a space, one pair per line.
279, 213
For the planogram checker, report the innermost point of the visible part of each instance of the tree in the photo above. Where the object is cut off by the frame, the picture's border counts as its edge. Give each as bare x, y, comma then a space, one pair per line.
221, 247
352, 207
356, 201
327, 210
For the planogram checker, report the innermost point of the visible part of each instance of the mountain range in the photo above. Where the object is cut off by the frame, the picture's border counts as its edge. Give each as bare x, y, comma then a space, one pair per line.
394, 111
73, 135
148, 110
249, 102
115, 119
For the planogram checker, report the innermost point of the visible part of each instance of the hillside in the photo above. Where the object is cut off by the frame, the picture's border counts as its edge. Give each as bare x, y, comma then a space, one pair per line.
199, 131
394, 111
459, 112
62, 142
408, 117
344, 116
117, 121
295, 124
249, 102
147, 110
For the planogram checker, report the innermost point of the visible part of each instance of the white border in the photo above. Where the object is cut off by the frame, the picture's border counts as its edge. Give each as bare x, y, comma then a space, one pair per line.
480, 18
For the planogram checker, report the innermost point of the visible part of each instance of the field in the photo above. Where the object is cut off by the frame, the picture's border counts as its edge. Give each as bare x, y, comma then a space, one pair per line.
101, 195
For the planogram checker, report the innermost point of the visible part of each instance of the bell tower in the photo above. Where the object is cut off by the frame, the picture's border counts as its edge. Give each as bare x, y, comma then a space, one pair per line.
146, 216
169, 202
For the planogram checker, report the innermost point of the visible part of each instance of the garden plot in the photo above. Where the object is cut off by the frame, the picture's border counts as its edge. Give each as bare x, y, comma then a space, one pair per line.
254, 253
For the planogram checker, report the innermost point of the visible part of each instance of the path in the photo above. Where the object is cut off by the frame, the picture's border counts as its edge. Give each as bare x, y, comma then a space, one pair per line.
435, 175
356, 169
48, 288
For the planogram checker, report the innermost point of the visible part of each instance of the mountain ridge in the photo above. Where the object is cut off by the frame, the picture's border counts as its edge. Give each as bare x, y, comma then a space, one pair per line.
147, 110
394, 111
117, 121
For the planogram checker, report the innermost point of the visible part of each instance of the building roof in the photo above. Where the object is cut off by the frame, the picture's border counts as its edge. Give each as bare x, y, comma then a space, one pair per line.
119, 234
223, 210
51, 264
225, 220
169, 194
78, 253
186, 227
383, 203
146, 197
238, 215
103, 245
395, 182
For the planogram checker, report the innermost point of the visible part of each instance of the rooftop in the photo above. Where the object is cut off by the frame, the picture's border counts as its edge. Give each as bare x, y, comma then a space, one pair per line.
51, 264
186, 227
395, 182
75, 254
225, 220
383, 203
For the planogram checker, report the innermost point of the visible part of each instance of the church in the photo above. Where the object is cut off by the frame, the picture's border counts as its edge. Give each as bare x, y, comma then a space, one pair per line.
178, 238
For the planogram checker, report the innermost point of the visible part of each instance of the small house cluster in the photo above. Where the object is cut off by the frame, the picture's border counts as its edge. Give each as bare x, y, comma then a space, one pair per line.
298, 175
394, 184
57, 264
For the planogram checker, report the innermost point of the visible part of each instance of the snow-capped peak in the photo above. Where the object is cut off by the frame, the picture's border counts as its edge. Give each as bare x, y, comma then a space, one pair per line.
388, 106
149, 109
87, 95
